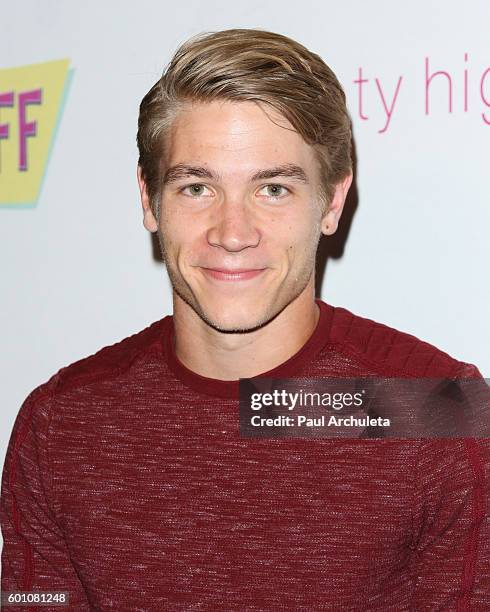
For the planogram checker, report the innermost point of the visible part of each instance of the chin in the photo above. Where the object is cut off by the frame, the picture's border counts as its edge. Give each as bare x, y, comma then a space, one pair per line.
236, 318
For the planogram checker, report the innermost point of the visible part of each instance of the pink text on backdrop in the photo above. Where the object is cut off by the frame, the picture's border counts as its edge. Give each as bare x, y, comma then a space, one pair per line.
432, 77
26, 129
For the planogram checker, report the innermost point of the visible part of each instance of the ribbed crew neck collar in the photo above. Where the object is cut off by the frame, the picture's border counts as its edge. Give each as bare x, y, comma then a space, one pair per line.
230, 388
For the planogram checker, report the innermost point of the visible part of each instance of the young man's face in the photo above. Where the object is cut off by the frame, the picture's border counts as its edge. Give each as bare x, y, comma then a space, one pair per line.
239, 248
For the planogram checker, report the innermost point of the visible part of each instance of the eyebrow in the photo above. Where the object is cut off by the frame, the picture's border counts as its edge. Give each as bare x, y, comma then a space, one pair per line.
180, 171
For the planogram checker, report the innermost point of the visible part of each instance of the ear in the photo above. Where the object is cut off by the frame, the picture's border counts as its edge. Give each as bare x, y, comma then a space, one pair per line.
149, 220
330, 220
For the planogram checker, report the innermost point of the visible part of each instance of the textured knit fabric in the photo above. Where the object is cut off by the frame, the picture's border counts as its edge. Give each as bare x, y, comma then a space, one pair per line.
126, 483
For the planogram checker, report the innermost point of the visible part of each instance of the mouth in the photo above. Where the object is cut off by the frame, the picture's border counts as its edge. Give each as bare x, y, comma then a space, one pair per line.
224, 274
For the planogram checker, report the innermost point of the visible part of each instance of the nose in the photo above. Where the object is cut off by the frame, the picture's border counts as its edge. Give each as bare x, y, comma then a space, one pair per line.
233, 227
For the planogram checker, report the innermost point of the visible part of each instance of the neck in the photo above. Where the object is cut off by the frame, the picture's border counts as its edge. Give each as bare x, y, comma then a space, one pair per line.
225, 356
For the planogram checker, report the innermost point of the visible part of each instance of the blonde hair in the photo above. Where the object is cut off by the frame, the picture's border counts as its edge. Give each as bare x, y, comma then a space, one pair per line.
249, 65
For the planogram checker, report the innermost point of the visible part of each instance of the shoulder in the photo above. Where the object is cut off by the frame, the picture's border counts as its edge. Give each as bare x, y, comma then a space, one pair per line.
391, 351
107, 362
34, 418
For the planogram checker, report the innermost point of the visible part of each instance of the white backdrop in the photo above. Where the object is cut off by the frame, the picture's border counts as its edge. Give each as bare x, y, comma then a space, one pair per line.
77, 270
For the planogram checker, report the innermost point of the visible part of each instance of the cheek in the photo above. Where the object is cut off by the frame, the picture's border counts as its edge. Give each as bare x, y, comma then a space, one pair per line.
302, 238
183, 250
176, 233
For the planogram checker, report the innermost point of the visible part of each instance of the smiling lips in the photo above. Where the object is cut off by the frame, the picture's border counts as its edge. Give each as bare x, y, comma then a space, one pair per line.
224, 274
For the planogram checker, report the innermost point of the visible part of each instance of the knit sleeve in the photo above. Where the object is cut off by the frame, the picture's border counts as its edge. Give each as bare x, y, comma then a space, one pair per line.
34, 554
451, 561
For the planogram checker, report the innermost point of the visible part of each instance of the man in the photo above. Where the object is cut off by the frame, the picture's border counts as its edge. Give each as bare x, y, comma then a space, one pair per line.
126, 482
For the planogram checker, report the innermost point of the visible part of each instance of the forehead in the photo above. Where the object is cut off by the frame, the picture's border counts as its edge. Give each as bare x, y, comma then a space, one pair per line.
237, 137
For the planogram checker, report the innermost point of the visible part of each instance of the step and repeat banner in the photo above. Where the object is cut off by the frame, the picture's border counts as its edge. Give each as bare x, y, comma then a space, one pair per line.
79, 271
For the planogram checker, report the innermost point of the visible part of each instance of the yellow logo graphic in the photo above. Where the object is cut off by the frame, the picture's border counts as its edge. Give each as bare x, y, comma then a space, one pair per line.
31, 101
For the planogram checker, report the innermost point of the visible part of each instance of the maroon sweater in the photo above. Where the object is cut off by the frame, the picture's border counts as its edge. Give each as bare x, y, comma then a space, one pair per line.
127, 484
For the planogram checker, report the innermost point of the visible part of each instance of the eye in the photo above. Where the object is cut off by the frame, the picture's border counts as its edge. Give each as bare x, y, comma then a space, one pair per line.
195, 190
276, 191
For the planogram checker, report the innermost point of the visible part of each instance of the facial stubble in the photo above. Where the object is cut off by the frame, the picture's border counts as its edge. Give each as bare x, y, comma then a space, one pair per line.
185, 293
